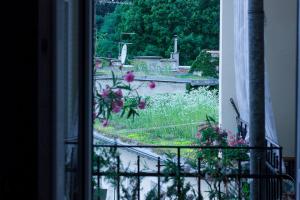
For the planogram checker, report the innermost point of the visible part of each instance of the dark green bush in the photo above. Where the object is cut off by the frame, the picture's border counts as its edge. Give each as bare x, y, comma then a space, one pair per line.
206, 64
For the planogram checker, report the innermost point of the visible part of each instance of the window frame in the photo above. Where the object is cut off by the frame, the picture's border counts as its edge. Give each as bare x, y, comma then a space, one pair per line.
298, 106
51, 99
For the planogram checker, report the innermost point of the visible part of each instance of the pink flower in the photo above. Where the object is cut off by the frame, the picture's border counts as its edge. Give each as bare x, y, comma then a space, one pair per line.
120, 103
105, 122
232, 143
241, 141
129, 77
105, 93
142, 104
98, 65
115, 107
152, 85
198, 135
119, 93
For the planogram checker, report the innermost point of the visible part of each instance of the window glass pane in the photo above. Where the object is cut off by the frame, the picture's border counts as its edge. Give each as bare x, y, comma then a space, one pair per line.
156, 80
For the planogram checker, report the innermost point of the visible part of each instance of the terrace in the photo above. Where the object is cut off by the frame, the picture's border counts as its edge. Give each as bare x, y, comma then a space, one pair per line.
172, 177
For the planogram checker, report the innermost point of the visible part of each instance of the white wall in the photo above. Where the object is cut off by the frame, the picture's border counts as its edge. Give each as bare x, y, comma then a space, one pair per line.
280, 53
226, 70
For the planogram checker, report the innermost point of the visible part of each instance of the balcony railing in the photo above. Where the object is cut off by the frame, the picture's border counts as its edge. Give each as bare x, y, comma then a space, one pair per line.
184, 175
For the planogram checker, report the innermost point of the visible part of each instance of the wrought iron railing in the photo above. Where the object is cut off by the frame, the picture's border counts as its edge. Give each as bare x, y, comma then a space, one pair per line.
188, 175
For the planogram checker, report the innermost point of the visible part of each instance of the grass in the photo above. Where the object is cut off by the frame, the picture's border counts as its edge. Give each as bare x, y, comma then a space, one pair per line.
190, 76
169, 119
142, 70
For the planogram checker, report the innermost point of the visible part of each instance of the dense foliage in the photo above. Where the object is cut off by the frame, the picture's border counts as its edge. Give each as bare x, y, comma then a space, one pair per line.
155, 22
206, 64
101, 10
219, 163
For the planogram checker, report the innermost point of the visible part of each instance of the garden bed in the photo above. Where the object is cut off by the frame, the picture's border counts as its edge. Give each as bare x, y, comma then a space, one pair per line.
169, 119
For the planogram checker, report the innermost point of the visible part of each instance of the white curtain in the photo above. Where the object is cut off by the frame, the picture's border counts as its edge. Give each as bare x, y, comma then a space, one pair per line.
241, 62
241, 58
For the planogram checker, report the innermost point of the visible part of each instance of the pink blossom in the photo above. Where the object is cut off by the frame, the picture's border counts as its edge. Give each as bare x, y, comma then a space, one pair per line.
241, 141
105, 122
105, 93
232, 143
198, 135
142, 104
98, 65
120, 103
129, 77
119, 93
152, 85
115, 107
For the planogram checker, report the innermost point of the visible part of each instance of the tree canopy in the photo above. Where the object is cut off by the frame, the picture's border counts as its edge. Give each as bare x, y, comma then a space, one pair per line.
155, 22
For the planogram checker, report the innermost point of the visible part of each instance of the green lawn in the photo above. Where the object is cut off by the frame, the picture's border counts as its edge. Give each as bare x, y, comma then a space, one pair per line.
169, 119
143, 72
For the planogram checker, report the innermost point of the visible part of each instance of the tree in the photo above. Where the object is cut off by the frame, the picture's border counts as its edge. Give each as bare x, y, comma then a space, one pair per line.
155, 22
103, 9
206, 64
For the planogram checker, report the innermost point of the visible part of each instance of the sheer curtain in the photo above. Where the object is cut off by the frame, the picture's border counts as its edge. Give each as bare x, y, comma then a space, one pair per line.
241, 62
241, 58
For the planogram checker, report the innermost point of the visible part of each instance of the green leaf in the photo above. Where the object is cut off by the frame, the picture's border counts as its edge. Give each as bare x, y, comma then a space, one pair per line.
113, 77
129, 113
123, 111
125, 87
212, 119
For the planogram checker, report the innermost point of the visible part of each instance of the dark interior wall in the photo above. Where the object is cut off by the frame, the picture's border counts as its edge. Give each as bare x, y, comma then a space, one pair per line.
18, 160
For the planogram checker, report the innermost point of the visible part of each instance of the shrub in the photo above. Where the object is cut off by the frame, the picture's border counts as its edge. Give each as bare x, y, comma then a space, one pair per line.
205, 63
219, 163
